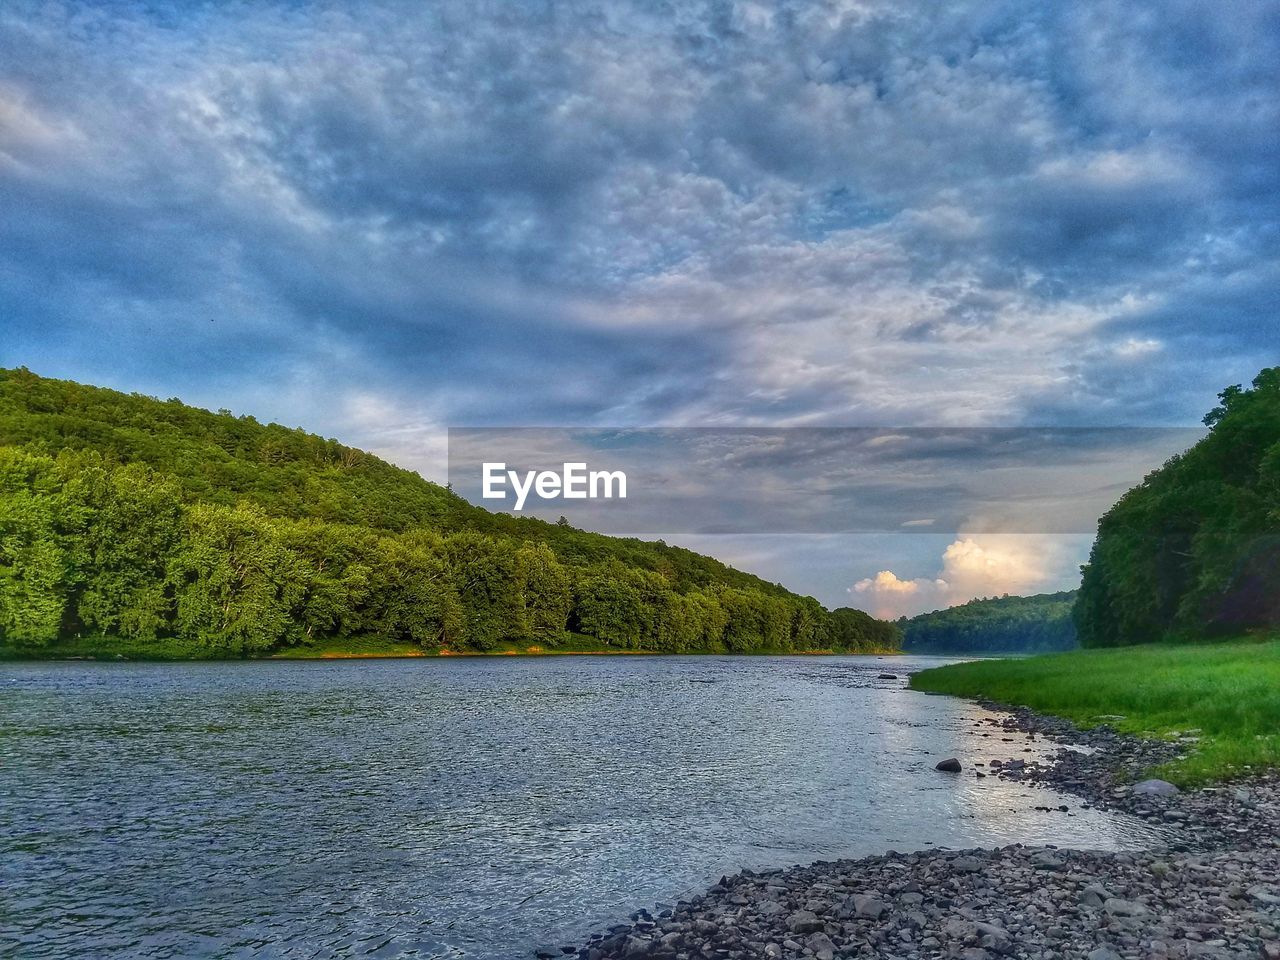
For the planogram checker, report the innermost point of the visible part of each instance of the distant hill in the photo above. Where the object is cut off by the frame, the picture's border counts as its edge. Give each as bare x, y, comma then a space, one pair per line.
996, 625
1194, 550
126, 516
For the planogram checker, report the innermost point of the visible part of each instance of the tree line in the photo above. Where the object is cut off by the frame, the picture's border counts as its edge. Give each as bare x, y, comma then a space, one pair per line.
129, 517
1037, 624
1194, 550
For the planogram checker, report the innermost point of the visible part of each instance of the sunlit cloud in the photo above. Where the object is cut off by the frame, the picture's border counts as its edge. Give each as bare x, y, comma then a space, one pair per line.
971, 567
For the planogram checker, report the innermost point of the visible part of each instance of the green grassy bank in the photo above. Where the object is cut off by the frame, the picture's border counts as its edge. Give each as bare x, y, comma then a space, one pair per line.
1229, 692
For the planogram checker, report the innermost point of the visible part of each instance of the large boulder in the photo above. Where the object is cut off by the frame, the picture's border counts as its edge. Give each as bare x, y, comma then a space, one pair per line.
1154, 788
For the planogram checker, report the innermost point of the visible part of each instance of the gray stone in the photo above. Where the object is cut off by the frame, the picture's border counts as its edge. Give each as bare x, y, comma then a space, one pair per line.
958, 928
1095, 895
993, 937
822, 946
1103, 953
869, 907
950, 765
966, 864
804, 921
1046, 860
1154, 788
1124, 908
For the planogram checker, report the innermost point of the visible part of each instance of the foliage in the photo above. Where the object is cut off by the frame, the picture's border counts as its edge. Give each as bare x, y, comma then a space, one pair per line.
1222, 693
1194, 550
854, 630
1037, 624
176, 529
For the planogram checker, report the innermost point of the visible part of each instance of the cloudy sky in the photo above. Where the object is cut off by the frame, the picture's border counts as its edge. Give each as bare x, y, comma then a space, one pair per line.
378, 219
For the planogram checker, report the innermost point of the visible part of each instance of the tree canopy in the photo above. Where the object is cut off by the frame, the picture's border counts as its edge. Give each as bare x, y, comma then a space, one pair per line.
1194, 550
1007, 624
124, 515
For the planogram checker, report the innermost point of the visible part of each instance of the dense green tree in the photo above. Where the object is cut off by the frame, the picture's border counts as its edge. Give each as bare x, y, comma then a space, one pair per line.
755, 620
132, 528
345, 564
490, 584
546, 592
1006, 624
811, 627
858, 632
128, 516
1194, 550
35, 571
413, 593
608, 606
239, 589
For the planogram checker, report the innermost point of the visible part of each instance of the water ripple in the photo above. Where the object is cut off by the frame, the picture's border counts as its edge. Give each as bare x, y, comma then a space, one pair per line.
460, 808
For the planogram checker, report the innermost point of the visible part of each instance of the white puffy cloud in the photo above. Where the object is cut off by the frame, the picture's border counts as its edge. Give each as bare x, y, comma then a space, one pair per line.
976, 566
887, 596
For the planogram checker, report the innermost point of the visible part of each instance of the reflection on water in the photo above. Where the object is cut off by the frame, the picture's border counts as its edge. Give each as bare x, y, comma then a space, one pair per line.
451, 808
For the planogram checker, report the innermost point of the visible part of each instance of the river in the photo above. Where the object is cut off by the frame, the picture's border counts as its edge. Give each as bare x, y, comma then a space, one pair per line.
473, 808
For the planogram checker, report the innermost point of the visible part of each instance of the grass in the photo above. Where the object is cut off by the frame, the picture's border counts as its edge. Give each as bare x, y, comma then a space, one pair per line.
348, 648
115, 648
111, 648
1227, 694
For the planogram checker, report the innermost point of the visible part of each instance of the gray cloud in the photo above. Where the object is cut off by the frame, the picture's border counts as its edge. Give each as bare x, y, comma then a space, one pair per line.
379, 218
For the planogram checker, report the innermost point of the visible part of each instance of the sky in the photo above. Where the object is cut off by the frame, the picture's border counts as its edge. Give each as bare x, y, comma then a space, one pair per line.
377, 220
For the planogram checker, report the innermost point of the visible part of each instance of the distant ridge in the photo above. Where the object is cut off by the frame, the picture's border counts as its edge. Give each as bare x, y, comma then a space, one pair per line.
1007, 624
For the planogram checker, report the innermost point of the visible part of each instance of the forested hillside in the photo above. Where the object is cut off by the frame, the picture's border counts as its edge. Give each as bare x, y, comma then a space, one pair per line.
1194, 550
126, 516
1035, 624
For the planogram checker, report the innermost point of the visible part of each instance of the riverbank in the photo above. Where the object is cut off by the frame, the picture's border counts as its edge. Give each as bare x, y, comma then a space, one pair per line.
372, 648
976, 905
1212, 890
1223, 695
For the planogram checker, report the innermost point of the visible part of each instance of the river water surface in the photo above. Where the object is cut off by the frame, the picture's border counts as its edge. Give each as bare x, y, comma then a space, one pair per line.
463, 807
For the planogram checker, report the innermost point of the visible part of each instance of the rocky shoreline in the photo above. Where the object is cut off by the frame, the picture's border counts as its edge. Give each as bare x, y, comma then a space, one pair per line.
1212, 891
